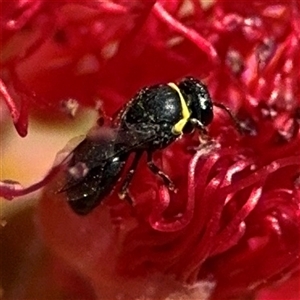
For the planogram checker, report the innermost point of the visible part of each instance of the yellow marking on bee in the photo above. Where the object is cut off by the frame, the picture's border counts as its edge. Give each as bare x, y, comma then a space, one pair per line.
178, 127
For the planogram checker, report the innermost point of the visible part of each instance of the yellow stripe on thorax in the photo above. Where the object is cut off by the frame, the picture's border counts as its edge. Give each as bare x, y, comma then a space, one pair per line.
178, 127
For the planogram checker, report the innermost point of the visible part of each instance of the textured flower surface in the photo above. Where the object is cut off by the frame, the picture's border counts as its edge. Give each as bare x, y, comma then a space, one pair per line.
232, 230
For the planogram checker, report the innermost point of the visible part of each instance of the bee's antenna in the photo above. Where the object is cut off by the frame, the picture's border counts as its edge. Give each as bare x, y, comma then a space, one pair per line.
236, 122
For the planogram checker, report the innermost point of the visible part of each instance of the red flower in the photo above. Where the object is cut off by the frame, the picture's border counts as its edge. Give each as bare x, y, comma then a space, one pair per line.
232, 229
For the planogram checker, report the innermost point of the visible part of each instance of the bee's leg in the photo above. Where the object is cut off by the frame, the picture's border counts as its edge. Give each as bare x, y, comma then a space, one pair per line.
124, 193
157, 171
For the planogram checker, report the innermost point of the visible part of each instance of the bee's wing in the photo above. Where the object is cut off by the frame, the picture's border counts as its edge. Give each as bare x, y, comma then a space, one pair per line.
97, 151
97, 163
102, 144
89, 158
136, 136
87, 193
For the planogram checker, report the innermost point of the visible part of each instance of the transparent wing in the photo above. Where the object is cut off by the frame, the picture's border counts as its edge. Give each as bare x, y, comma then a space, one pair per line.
97, 162
105, 143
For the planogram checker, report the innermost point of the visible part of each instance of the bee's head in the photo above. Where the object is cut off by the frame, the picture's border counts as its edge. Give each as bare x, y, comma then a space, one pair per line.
198, 100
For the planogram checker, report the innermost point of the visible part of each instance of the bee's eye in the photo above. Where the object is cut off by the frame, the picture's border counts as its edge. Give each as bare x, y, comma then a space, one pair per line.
200, 102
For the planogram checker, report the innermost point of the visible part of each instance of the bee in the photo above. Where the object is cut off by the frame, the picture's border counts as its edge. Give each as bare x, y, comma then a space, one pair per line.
153, 119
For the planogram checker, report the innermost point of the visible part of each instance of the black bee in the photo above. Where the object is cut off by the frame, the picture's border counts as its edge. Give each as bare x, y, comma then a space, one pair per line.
153, 119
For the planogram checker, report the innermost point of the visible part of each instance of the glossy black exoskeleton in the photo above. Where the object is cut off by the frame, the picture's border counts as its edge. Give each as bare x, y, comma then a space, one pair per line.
152, 120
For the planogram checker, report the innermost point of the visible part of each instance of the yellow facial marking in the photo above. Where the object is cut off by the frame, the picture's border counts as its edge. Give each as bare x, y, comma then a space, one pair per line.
178, 127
